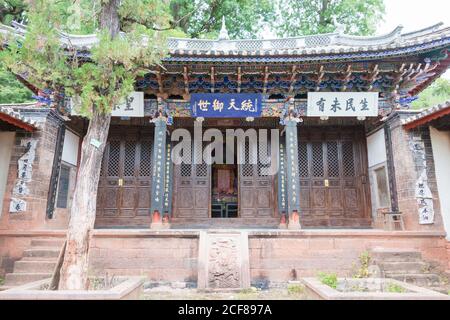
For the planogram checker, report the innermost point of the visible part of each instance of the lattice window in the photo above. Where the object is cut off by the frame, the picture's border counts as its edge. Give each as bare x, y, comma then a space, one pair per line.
146, 159
332, 159
185, 170
264, 152
248, 161
348, 159
317, 159
130, 158
201, 169
114, 158
303, 159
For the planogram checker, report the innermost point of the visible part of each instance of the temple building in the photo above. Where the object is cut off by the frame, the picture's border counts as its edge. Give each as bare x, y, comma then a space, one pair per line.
357, 169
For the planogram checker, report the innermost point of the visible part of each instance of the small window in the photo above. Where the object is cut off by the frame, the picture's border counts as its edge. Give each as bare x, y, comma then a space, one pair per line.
382, 187
63, 187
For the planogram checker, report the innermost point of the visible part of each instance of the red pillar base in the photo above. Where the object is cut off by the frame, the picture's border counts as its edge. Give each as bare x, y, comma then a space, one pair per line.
156, 220
294, 221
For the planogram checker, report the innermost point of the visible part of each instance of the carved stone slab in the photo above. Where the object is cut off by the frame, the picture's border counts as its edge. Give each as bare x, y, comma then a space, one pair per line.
223, 261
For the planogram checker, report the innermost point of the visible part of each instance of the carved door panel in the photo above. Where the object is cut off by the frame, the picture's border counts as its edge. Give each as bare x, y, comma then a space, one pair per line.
192, 190
333, 176
256, 186
124, 191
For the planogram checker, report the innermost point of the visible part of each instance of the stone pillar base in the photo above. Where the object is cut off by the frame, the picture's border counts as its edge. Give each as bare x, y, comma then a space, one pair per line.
294, 221
283, 222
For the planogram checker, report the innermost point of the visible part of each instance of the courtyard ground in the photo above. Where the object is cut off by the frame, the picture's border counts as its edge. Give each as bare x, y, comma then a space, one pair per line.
293, 292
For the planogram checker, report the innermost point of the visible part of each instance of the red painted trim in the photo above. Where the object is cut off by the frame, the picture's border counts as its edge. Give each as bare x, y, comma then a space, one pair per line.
16, 122
427, 118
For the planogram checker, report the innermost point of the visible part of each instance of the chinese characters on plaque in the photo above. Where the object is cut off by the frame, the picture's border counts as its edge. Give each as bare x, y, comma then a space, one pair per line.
222, 105
133, 106
342, 104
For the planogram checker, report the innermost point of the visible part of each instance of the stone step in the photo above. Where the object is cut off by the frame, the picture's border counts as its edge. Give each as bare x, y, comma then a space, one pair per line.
220, 223
3, 288
404, 267
17, 279
395, 255
47, 243
41, 252
38, 266
421, 280
49, 259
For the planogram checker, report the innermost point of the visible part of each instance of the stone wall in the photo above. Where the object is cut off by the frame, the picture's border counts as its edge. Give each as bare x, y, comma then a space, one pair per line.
33, 193
158, 258
409, 166
282, 257
275, 256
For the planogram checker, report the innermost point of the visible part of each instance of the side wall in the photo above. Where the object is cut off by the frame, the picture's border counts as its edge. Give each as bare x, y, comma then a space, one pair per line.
410, 164
440, 141
6, 145
35, 191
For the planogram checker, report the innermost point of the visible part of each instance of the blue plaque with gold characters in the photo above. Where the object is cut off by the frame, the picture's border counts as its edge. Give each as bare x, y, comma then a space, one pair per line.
221, 105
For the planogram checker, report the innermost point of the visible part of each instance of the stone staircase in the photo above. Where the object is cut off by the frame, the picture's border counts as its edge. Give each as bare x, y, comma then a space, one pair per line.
408, 266
225, 223
37, 262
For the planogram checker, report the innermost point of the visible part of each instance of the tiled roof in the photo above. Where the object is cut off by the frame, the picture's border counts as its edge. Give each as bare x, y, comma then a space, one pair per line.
10, 114
427, 115
322, 44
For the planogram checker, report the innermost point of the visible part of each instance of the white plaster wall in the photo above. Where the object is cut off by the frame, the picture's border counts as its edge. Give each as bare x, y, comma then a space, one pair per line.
6, 146
70, 148
376, 148
440, 141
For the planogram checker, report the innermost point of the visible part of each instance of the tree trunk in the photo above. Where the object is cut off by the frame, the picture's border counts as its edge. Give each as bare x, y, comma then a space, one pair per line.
82, 214
74, 271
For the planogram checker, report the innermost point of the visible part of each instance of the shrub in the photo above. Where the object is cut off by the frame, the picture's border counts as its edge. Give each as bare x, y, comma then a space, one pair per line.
329, 279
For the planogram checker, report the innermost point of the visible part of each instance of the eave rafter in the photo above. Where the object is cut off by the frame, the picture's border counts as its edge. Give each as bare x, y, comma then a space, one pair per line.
239, 79
347, 76
266, 77
400, 73
373, 77
320, 76
213, 79
160, 83
186, 80
292, 80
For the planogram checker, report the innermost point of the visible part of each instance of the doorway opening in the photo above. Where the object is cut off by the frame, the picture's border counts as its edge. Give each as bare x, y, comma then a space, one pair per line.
224, 202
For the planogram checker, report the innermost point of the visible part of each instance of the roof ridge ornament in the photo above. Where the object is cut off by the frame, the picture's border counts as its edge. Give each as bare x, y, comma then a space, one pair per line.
223, 35
340, 28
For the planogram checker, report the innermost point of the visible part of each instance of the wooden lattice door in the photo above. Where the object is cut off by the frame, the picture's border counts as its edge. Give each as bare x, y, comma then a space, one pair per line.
333, 177
256, 185
124, 192
192, 189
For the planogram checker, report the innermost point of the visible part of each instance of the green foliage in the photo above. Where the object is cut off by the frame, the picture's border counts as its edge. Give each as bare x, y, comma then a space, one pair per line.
11, 90
395, 288
329, 279
109, 75
295, 289
437, 93
359, 17
2, 281
364, 261
12, 10
203, 18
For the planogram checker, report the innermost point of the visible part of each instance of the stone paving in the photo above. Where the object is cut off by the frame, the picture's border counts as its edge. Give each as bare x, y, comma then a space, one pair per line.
168, 293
